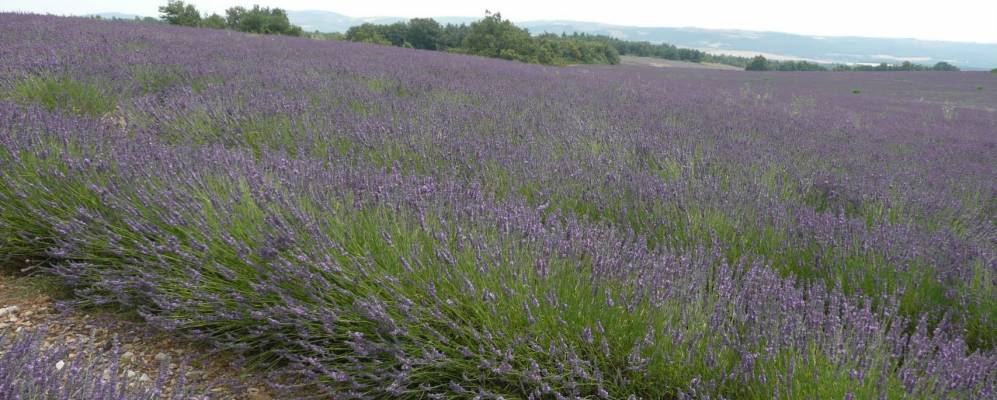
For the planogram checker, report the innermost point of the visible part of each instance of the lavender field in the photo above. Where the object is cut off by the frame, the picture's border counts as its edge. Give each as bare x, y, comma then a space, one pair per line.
378, 222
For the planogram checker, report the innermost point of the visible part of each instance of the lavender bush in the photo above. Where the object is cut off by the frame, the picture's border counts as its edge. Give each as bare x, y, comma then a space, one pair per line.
31, 370
378, 222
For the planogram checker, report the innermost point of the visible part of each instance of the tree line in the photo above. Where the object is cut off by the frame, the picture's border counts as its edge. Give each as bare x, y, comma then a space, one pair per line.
760, 63
491, 36
262, 20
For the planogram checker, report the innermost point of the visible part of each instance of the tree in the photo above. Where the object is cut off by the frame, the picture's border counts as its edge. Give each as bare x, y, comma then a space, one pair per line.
759, 63
366, 33
944, 66
214, 21
453, 36
424, 33
179, 13
494, 37
263, 20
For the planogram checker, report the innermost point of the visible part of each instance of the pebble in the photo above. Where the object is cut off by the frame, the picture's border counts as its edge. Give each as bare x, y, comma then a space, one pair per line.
8, 310
143, 378
59, 365
128, 356
256, 394
162, 357
130, 374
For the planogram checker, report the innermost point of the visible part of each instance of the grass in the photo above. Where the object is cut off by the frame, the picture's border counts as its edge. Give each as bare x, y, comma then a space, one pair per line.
65, 94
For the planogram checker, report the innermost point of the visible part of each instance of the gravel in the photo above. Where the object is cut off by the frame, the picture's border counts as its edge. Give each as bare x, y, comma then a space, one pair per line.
27, 305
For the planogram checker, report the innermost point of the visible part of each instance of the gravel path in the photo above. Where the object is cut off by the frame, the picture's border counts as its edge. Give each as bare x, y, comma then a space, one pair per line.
27, 303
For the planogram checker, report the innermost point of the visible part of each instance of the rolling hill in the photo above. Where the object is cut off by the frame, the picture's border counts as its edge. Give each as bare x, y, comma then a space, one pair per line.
776, 45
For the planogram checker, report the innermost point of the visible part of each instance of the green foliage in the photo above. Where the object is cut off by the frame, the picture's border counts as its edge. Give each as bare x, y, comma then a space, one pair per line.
495, 37
490, 37
944, 66
424, 33
798, 66
577, 50
366, 33
856, 91
643, 49
994, 71
63, 93
214, 21
759, 63
262, 20
326, 35
177, 12
905, 66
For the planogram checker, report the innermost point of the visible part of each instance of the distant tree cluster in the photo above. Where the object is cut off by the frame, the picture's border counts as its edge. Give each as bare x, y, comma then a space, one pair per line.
760, 63
491, 36
419, 33
148, 20
644, 49
905, 66
263, 20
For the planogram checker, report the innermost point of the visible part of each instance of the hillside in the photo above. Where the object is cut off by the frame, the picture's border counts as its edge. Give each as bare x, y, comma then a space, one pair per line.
976, 56
367, 222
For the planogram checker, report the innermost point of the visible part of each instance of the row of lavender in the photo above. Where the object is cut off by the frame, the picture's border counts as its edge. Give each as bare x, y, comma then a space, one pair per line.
405, 223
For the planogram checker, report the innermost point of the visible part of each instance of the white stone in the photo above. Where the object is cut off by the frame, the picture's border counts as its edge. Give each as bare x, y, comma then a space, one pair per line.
8, 310
59, 365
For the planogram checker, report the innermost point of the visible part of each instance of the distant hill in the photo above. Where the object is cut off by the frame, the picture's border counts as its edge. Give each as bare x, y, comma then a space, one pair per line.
774, 45
836, 49
828, 49
328, 21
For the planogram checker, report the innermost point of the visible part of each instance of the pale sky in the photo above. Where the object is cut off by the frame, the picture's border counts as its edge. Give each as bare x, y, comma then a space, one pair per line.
956, 20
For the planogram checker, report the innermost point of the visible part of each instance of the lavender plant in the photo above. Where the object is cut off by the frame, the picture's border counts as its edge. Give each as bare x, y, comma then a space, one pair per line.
29, 369
381, 222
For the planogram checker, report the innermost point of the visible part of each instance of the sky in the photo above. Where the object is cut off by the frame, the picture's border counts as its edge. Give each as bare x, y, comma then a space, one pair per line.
952, 20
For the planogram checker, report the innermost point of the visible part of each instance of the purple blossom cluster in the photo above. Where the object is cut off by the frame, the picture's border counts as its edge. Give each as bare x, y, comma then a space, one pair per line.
375, 222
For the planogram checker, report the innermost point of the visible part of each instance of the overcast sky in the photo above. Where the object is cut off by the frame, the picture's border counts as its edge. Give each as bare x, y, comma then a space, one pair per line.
958, 20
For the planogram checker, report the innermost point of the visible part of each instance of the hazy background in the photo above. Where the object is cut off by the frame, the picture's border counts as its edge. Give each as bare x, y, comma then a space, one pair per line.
953, 20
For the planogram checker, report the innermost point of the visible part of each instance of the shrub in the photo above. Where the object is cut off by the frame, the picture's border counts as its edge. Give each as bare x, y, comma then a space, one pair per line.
64, 93
759, 63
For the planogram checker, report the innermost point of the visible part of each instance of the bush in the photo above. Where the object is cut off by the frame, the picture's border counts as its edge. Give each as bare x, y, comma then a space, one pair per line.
759, 63
64, 93
180, 13
262, 20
